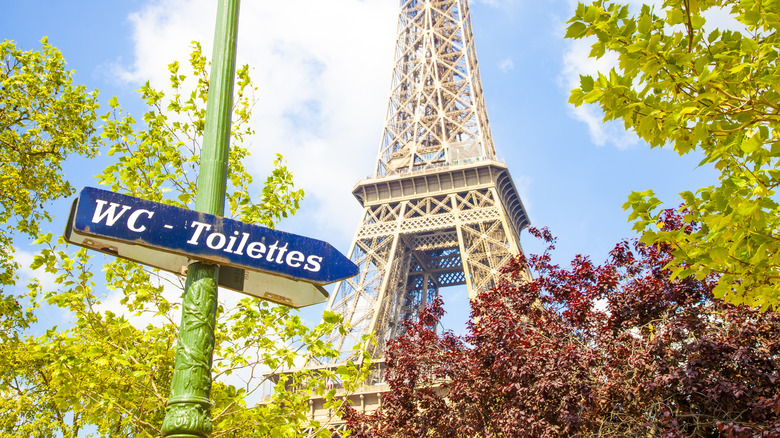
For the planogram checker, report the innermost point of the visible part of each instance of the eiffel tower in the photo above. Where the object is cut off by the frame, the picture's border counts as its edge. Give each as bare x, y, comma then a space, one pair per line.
441, 210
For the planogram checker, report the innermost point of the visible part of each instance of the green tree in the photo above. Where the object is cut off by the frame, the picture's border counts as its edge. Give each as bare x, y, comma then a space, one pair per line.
109, 372
684, 83
44, 118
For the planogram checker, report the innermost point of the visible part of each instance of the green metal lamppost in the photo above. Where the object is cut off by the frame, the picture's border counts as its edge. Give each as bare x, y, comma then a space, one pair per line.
189, 411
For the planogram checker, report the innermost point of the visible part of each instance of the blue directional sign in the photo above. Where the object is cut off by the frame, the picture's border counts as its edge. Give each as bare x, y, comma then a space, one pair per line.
169, 238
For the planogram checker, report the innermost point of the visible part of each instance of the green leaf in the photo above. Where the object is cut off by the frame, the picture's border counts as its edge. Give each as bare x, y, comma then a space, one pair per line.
331, 317
576, 30
750, 145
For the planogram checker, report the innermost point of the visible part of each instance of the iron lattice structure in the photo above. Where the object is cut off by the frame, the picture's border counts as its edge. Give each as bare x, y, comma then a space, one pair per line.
440, 209
436, 113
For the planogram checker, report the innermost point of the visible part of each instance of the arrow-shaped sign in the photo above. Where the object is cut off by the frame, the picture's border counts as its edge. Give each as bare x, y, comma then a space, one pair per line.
169, 238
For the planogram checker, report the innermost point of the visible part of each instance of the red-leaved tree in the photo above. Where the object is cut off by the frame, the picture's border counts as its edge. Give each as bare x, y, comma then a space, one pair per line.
612, 350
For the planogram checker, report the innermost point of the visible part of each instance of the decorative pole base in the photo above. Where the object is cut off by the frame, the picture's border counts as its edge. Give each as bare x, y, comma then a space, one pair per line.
187, 418
188, 412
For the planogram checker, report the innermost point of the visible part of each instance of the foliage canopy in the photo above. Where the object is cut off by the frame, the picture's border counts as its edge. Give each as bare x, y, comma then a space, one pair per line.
681, 81
108, 370
44, 118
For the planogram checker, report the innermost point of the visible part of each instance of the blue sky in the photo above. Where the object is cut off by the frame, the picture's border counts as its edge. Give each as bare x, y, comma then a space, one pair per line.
323, 68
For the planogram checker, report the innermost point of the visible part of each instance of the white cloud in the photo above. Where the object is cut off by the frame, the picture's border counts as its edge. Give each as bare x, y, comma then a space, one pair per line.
603, 133
25, 260
506, 65
722, 19
575, 63
323, 72
172, 291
